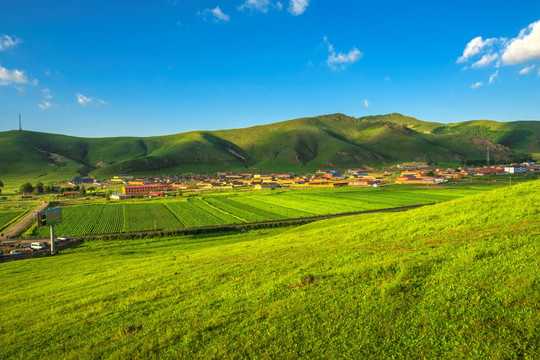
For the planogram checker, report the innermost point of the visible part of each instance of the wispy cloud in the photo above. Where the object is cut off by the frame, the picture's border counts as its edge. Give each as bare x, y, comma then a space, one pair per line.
526, 70
476, 85
45, 105
7, 41
485, 60
337, 61
46, 93
260, 5
8, 77
83, 100
298, 7
217, 14
366, 103
493, 76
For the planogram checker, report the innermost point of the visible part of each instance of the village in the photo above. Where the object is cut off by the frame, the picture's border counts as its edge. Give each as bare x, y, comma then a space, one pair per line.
128, 186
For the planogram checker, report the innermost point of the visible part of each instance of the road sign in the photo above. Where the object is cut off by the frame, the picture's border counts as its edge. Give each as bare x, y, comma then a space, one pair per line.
54, 216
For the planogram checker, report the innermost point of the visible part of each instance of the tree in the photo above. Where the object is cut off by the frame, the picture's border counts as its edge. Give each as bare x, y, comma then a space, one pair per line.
39, 187
26, 188
108, 195
82, 191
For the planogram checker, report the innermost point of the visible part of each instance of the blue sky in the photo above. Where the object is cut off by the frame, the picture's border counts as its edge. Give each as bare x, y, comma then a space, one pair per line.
141, 68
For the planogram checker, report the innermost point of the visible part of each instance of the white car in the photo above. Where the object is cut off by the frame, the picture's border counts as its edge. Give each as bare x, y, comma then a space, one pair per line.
62, 238
15, 252
37, 246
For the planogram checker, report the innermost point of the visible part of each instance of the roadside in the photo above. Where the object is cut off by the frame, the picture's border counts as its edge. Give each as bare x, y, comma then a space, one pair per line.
19, 227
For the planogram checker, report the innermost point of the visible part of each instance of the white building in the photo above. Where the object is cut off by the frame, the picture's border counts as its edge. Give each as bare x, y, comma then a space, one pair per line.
515, 169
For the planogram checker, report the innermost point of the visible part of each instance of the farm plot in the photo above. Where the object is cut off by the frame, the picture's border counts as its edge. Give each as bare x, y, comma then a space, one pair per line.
247, 212
195, 213
76, 220
155, 216
282, 211
7, 216
106, 219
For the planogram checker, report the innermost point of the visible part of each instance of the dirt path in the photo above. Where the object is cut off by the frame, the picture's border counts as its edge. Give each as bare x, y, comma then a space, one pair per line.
24, 222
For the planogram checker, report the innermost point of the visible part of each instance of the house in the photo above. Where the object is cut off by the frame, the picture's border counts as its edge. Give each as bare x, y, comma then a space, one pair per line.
81, 181
515, 169
116, 196
365, 182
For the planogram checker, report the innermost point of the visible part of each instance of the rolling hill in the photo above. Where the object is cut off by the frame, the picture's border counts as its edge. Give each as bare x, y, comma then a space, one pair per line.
456, 280
300, 145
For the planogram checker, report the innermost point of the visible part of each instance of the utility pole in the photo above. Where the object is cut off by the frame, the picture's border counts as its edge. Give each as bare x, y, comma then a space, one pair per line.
53, 248
20, 123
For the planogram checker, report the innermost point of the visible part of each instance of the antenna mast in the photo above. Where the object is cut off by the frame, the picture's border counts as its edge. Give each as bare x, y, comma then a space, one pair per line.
20, 123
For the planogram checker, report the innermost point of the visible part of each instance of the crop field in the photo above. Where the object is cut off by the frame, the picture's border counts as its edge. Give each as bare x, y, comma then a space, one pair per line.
242, 207
6, 217
457, 280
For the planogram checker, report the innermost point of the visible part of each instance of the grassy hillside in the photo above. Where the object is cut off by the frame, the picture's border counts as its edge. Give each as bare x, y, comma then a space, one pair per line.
300, 145
457, 280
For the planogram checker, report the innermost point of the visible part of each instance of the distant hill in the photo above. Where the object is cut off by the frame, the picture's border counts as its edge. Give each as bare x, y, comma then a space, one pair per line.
300, 145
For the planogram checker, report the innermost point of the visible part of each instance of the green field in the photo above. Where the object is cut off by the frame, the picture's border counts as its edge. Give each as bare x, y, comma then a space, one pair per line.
457, 280
244, 207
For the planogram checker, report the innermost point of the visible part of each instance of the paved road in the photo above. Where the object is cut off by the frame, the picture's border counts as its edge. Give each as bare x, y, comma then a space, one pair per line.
19, 227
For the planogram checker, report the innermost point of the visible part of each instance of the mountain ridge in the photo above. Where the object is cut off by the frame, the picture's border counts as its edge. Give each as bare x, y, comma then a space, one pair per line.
299, 145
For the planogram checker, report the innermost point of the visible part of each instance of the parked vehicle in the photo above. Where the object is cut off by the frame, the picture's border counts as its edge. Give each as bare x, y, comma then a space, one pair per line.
15, 252
37, 246
62, 238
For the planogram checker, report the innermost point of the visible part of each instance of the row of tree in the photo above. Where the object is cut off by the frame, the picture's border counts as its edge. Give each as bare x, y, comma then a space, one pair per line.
40, 188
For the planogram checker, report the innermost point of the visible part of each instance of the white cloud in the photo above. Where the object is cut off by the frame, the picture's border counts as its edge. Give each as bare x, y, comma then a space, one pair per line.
526, 70
255, 5
338, 61
101, 103
476, 85
216, 13
366, 102
7, 41
297, 7
46, 105
8, 77
493, 76
83, 100
47, 93
485, 60
525, 47
475, 47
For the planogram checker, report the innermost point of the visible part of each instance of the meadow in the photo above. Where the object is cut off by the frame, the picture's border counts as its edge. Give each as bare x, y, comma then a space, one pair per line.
456, 280
236, 207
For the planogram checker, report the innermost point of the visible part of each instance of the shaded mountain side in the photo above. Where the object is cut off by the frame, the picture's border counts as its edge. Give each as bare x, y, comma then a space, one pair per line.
306, 144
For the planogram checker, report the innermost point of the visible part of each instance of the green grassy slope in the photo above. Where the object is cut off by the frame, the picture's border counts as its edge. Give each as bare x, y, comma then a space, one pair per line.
457, 280
307, 144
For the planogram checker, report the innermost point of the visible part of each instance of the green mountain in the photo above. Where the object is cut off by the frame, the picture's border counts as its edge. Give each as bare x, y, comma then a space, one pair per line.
306, 144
